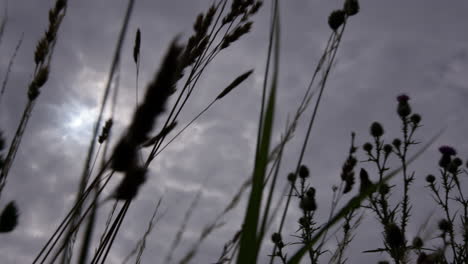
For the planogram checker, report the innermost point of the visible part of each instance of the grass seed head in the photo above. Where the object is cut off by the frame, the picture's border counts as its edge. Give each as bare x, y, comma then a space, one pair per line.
42, 76
33, 91
125, 156
156, 96
136, 48
42, 49
131, 183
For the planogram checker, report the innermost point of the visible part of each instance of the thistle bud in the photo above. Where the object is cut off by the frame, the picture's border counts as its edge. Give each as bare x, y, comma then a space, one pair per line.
430, 178
415, 119
367, 147
351, 7
292, 177
418, 242
276, 238
393, 236
311, 192
403, 110
396, 143
444, 225
303, 172
376, 129
308, 204
336, 19
387, 148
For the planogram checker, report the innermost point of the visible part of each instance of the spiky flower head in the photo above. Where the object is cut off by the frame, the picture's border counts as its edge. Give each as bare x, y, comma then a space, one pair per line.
403, 98
447, 150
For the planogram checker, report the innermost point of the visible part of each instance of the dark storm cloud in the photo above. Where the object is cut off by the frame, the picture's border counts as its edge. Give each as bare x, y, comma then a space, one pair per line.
417, 47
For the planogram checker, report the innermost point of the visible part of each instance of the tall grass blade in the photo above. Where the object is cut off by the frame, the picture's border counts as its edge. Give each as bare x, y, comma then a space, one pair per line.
250, 243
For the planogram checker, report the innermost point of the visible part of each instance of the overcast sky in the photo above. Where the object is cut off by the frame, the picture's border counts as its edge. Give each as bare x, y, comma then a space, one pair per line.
418, 47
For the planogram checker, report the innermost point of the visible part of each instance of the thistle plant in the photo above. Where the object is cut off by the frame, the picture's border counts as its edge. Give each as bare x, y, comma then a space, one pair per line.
448, 194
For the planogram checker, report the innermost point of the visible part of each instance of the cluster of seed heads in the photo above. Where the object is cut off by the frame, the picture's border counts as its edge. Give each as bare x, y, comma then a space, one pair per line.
44, 49
198, 42
244, 9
